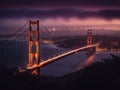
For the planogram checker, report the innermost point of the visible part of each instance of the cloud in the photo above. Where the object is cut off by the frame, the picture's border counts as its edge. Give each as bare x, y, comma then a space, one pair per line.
60, 12
60, 3
107, 9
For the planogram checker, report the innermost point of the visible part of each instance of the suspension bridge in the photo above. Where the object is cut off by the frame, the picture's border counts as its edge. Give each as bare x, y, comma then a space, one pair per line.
34, 62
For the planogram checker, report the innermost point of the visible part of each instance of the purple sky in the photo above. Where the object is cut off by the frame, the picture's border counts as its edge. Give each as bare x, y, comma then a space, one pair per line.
59, 12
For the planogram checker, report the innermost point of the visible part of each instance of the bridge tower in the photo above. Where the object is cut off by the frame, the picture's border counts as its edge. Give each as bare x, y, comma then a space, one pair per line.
34, 45
89, 37
89, 40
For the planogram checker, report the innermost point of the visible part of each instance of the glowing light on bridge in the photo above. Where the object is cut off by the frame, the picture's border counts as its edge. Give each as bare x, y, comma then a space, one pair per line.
59, 56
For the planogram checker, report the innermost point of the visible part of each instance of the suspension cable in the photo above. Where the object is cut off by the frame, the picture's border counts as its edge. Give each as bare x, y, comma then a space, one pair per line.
2, 42
20, 28
6, 45
47, 31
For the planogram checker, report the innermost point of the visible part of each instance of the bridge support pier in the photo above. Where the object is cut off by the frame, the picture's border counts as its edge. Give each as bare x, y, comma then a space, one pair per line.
93, 49
89, 51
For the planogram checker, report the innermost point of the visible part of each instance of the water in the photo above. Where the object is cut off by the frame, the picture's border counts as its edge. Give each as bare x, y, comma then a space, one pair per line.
15, 53
64, 66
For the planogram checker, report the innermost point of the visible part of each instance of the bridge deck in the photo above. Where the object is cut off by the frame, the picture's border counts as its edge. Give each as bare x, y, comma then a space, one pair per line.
58, 57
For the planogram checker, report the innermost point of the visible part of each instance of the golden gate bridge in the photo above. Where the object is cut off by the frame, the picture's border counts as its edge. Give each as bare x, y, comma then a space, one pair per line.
34, 62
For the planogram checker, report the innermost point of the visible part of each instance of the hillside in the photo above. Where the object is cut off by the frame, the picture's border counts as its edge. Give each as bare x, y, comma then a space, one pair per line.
98, 76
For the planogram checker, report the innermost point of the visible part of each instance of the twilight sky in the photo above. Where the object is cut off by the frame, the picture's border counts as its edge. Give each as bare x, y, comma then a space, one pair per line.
59, 12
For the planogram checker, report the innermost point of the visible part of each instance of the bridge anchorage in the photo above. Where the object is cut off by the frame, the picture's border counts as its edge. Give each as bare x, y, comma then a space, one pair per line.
90, 50
34, 46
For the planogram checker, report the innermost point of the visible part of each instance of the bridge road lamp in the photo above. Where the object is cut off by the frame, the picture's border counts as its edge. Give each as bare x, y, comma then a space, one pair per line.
34, 46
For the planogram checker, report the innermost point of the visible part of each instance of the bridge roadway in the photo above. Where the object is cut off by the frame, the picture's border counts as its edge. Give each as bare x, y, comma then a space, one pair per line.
43, 63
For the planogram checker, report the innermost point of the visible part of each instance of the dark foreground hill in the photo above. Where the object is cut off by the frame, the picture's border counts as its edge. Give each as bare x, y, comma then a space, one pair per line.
98, 76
